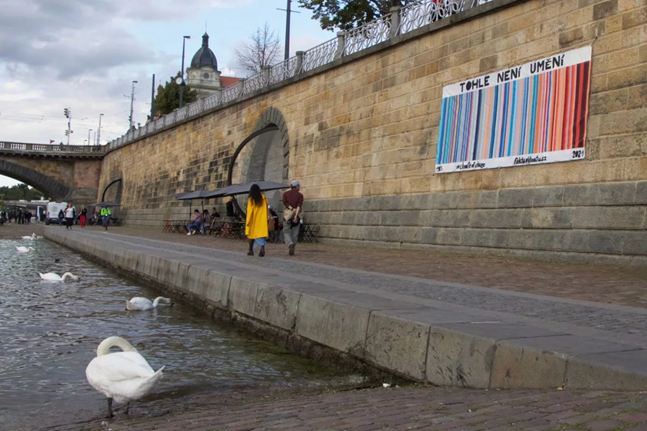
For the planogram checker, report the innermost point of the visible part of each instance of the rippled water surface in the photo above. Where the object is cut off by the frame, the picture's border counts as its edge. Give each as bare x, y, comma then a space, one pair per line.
50, 332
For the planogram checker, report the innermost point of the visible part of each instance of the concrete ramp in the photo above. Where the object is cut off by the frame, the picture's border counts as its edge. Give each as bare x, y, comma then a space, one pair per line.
423, 330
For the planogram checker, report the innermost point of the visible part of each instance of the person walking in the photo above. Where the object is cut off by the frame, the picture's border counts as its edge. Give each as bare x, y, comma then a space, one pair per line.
256, 228
82, 217
61, 217
105, 216
293, 202
69, 216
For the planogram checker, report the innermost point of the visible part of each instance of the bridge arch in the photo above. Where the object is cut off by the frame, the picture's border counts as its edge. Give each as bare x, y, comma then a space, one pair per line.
51, 188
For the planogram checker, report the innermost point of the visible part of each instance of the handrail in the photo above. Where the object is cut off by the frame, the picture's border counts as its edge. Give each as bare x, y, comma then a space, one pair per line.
400, 21
50, 148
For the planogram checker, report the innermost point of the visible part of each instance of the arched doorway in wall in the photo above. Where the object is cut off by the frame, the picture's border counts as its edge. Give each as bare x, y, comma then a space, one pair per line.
264, 155
112, 192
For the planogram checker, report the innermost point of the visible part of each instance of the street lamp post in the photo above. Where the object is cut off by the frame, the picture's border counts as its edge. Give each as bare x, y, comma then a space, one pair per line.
184, 38
132, 102
89, 131
98, 142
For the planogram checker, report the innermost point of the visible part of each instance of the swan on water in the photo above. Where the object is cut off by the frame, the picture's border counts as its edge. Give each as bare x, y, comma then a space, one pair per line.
122, 376
52, 276
32, 237
138, 303
22, 249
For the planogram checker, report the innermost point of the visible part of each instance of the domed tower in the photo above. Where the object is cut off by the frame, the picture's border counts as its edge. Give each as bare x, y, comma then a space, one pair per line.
203, 75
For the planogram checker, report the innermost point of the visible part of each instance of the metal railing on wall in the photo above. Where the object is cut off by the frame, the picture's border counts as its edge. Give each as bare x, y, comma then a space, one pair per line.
53, 149
400, 20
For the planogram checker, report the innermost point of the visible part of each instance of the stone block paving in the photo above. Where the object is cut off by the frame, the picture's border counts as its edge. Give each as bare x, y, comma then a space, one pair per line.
628, 322
600, 283
405, 408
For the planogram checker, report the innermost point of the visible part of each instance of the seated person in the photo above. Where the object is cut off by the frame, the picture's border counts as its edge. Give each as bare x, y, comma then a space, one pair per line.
196, 222
274, 216
206, 222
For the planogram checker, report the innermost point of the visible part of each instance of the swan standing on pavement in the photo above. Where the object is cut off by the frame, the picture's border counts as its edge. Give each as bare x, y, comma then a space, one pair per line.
122, 376
22, 249
138, 303
52, 276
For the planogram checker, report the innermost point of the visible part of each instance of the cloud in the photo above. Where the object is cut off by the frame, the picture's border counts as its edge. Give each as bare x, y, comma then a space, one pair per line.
68, 37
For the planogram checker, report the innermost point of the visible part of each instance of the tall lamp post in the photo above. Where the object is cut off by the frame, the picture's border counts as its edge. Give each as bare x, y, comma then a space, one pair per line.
182, 84
98, 142
89, 131
132, 102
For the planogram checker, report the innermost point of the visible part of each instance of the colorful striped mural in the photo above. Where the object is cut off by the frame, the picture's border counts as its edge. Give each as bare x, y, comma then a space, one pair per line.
534, 113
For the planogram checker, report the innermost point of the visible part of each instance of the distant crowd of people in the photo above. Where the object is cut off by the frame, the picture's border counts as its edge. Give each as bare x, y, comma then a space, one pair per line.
19, 217
69, 217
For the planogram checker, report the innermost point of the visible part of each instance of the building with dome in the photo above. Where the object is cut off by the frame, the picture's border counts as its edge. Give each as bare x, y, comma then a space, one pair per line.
203, 74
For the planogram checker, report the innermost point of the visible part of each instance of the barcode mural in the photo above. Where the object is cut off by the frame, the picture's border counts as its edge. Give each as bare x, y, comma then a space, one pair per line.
529, 114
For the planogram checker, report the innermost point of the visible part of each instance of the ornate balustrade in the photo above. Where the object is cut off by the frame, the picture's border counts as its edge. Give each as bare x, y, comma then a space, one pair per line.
399, 21
54, 150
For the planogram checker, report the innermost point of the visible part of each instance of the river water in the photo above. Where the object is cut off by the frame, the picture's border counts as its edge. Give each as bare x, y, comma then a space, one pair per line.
50, 332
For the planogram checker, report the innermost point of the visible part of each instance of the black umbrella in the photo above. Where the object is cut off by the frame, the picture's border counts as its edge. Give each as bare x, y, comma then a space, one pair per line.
198, 194
239, 189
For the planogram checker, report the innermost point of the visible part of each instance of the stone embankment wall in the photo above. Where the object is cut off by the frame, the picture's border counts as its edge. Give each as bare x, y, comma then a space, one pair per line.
363, 132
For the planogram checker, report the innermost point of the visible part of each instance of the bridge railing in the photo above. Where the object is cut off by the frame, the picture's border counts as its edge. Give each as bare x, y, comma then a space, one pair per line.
51, 149
400, 21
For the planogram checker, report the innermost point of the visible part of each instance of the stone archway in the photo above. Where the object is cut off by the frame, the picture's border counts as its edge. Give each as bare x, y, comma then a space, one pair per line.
114, 194
51, 188
265, 154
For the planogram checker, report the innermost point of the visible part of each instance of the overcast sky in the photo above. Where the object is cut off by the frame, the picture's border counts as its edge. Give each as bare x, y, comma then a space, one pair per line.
85, 54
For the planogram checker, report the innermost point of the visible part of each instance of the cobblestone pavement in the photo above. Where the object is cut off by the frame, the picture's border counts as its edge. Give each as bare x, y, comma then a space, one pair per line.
606, 284
610, 322
407, 408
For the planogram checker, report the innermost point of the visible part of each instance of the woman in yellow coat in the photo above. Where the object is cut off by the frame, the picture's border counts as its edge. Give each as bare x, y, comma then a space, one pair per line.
256, 221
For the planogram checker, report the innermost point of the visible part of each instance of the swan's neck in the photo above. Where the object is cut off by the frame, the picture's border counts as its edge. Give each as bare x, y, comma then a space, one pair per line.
158, 300
104, 347
67, 274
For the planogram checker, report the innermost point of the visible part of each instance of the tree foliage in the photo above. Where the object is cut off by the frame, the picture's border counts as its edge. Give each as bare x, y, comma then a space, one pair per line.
262, 50
347, 14
18, 192
168, 96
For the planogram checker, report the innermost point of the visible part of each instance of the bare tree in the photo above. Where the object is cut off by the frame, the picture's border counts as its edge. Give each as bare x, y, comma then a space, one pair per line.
262, 50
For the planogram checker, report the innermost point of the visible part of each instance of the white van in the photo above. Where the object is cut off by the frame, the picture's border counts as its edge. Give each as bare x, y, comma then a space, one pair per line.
53, 208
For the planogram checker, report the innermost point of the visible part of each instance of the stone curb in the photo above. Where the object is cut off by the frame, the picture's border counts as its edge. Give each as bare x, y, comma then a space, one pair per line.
406, 339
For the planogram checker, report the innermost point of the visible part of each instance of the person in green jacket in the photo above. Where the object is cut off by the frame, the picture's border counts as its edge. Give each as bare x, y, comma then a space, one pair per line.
105, 216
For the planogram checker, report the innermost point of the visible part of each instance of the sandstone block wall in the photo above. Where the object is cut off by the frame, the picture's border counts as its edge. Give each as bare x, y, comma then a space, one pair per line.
363, 135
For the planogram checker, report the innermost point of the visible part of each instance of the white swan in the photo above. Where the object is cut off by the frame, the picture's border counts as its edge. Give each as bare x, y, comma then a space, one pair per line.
138, 303
22, 249
52, 276
122, 376
32, 237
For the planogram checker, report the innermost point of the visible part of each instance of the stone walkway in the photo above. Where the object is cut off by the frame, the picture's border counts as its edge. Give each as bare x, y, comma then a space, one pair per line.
408, 408
609, 322
418, 407
614, 285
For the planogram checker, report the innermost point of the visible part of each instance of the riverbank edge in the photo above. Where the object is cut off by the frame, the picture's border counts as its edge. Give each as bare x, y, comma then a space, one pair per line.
345, 335
264, 330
